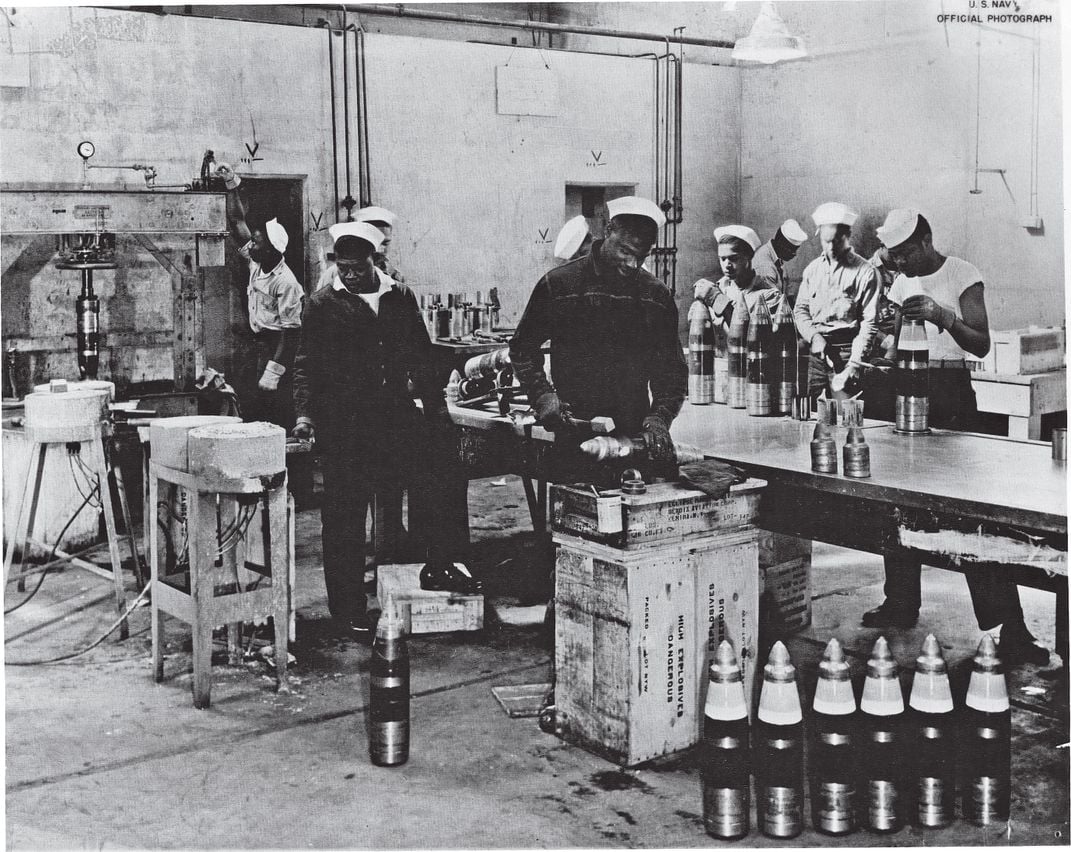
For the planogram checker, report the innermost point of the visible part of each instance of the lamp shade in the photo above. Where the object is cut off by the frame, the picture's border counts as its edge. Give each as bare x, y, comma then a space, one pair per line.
769, 40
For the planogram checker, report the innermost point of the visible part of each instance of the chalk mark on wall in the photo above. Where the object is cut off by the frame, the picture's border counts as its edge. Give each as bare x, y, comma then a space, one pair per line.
85, 33
252, 158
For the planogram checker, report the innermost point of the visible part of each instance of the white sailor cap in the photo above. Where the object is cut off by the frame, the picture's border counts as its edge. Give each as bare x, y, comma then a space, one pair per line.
633, 205
834, 213
791, 231
570, 237
276, 234
741, 232
375, 214
899, 225
361, 230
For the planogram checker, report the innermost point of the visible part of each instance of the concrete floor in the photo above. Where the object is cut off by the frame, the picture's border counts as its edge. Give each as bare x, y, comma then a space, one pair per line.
99, 756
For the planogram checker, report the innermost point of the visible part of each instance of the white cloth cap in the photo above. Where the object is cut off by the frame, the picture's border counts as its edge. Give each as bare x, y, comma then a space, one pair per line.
899, 225
834, 213
791, 231
741, 232
361, 230
375, 214
633, 205
570, 237
277, 235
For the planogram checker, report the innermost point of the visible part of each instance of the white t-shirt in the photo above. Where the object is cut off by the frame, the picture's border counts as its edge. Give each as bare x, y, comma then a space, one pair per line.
944, 286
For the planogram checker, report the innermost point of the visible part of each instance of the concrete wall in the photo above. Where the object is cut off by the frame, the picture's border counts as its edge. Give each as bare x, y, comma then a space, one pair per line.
884, 115
480, 194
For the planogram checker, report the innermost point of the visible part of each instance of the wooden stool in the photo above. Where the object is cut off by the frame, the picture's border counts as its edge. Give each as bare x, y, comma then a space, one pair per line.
59, 438
219, 587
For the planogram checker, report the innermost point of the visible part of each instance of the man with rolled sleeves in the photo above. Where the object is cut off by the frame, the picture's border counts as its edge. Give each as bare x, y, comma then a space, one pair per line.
737, 245
362, 341
274, 299
836, 304
615, 348
771, 257
948, 294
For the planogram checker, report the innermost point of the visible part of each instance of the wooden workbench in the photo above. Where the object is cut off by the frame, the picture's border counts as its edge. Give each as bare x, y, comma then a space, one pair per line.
957, 499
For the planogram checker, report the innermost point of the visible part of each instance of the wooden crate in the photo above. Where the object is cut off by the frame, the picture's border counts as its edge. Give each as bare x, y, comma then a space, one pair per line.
423, 611
665, 514
635, 633
1028, 350
785, 580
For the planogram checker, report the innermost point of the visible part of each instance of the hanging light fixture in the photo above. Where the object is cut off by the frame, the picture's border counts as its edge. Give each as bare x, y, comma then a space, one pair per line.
769, 40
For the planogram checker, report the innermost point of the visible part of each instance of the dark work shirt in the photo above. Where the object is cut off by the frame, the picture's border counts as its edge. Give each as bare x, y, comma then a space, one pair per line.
614, 346
352, 366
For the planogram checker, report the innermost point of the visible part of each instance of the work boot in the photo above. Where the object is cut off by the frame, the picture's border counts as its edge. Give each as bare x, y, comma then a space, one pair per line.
1017, 645
449, 577
889, 615
361, 626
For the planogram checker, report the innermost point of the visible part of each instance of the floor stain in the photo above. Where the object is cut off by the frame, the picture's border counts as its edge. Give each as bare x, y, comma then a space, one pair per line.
617, 780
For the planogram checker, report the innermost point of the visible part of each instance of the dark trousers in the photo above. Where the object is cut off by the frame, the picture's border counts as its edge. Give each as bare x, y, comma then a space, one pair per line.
277, 407
402, 451
995, 597
819, 373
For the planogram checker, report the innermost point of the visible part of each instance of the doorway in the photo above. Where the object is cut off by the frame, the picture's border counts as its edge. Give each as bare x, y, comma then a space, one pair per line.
589, 200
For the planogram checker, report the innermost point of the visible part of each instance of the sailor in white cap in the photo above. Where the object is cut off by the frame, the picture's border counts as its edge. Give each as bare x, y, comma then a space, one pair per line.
574, 239
274, 299
771, 257
737, 245
383, 219
948, 294
615, 352
836, 304
362, 342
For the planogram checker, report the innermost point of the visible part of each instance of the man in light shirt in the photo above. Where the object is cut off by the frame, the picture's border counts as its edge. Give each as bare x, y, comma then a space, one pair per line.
771, 257
836, 304
947, 293
275, 299
737, 245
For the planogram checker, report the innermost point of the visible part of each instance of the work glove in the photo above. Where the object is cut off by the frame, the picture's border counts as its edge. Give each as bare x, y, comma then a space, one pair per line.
846, 378
924, 308
304, 430
551, 413
714, 298
818, 345
660, 446
273, 371
230, 179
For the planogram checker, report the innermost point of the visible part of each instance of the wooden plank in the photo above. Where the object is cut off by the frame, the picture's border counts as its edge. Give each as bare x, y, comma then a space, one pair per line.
635, 632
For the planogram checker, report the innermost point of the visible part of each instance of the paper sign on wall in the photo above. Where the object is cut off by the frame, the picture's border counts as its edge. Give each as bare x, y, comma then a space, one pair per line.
526, 91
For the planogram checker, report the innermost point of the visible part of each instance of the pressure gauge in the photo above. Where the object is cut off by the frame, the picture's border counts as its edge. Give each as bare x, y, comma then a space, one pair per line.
86, 149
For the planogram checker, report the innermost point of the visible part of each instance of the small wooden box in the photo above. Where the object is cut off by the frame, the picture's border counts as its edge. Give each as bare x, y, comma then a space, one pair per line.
423, 611
666, 513
1029, 350
635, 633
785, 580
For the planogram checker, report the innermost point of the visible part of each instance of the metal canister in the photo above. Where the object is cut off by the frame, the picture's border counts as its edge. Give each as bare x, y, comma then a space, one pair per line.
784, 355
700, 354
738, 330
823, 450
442, 321
759, 390
388, 706
1059, 443
87, 309
912, 379
856, 454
